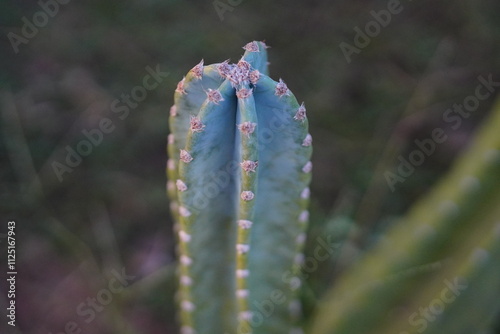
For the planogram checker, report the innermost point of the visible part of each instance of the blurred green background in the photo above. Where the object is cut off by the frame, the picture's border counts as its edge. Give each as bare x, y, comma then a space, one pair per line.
110, 213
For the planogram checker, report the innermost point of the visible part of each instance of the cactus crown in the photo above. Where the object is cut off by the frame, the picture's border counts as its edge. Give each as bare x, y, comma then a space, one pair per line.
239, 168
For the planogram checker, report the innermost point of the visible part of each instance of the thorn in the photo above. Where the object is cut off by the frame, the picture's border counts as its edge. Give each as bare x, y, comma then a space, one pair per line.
252, 47
187, 306
181, 186
198, 70
244, 93
187, 330
171, 164
196, 124
299, 259
184, 237
171, 139
244, 66
301, 238
247, 195
224, 69
281, 89
186, 280
214, 96
307, 167
180, 86
186, 260
308, 140
242, 293
304, 216
244, 224
173, 110
247, 128
264, 45
245, 315
254, 77
242, 248
170, 185
301, 113
242, 273
185, 156
184, 212
249, 166
305, 193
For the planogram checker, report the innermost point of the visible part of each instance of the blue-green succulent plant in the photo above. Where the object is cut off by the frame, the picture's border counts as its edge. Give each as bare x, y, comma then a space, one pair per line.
239, 169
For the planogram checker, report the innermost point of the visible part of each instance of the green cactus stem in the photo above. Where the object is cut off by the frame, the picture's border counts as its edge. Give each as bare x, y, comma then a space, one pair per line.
239, 169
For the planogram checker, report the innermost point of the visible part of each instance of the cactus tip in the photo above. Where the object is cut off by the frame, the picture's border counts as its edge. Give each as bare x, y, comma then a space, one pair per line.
252, 47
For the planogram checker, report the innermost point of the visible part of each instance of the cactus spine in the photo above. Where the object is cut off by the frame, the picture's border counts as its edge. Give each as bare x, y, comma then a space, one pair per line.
238, 169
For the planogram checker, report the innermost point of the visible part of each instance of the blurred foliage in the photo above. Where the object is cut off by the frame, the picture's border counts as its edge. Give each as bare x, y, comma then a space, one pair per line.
111, 211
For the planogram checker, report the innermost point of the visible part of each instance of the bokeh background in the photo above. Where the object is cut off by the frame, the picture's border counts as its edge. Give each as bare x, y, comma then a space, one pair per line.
110, 213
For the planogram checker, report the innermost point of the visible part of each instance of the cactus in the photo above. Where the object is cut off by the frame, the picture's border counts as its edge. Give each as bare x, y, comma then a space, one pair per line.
238, 170
457, 226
